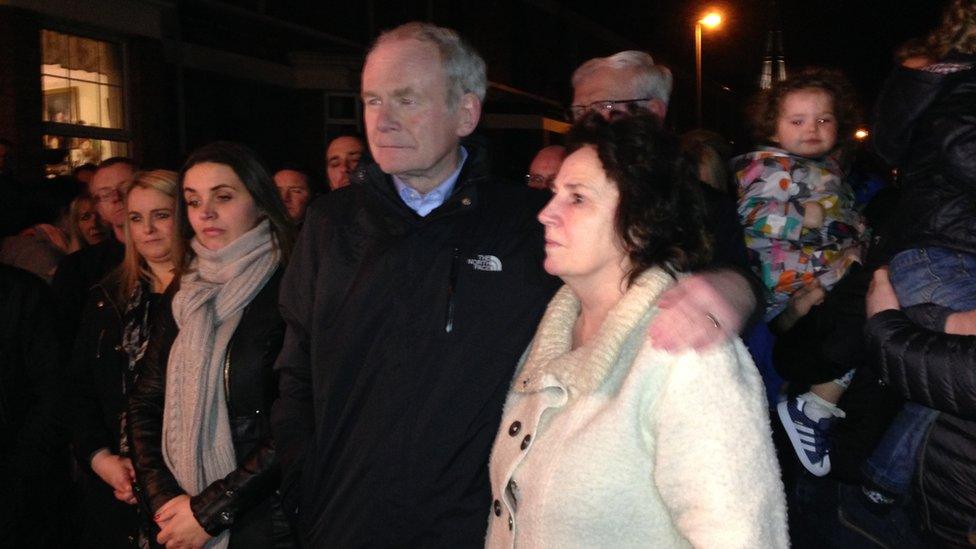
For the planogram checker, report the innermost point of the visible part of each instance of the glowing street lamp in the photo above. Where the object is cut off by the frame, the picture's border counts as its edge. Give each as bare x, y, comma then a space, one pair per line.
861, 134
710, 20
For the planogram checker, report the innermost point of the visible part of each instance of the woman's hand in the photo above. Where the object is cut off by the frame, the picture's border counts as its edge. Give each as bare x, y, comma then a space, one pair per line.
881, 296
178, 527
117, 472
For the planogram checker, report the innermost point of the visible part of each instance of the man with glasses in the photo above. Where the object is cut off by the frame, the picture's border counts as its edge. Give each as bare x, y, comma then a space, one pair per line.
701, 309
82, 269
625, 80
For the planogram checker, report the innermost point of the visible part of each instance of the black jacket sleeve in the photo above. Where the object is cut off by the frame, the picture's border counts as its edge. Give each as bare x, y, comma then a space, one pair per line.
29, 375
69, 291
934, 369
88, 430
220, 503
145, 414
292, 418
957, 128
905, 96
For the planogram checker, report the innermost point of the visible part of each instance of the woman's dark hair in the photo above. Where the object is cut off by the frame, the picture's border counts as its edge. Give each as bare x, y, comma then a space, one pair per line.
256, 179
660, 216
765, 107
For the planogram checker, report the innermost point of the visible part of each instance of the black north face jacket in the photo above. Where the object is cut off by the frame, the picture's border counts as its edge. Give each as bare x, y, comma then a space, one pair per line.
403, 334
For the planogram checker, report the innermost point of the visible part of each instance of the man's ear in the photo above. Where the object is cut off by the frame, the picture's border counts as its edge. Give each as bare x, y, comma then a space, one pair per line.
658, 109
468, 114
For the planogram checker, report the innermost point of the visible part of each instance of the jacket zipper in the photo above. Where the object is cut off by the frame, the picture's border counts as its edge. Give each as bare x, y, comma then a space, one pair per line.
98, 344
451, 289
227, 375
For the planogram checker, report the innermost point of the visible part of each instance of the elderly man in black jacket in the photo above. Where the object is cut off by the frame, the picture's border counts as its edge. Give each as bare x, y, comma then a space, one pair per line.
409, 297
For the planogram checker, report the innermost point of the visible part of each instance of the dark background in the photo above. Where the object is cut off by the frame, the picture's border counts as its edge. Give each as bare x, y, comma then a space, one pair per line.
199, 77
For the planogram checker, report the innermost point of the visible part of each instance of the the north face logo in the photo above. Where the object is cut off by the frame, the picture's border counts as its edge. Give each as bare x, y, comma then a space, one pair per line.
485, 263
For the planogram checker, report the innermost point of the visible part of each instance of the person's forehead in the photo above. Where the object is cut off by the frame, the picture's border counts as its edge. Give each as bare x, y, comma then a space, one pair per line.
808, 98
343, 145
206, 176
604, 83
290, 177
398, 64
112, 176
546, 161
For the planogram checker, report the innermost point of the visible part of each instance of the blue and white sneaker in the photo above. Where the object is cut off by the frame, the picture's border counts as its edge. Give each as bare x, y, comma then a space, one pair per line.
809, 437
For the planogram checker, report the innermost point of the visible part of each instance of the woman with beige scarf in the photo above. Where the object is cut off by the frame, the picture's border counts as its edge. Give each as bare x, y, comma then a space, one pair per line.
198, 417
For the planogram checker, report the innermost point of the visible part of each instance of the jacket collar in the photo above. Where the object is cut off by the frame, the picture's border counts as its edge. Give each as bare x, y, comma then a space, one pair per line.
551, 359
476, 170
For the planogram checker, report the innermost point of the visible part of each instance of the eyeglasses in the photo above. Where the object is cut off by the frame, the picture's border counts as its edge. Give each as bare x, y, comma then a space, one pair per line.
538, 180
604, 106
108, 195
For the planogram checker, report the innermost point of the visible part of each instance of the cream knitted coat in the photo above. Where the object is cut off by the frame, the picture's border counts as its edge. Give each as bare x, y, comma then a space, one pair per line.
615, 444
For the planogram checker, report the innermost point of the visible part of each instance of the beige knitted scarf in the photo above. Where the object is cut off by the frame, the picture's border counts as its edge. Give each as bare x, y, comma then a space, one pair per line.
197, 445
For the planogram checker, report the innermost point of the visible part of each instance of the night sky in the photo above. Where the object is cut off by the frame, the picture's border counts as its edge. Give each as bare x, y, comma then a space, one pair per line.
856, 36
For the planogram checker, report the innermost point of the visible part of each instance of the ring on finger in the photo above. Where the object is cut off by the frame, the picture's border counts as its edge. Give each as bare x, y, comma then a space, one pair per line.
713, 320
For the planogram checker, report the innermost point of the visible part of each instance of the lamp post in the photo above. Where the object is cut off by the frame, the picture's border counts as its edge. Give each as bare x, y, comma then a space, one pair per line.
711, 20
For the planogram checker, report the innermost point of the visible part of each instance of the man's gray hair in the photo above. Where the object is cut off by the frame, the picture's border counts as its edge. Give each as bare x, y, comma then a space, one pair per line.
652, 80
465, 69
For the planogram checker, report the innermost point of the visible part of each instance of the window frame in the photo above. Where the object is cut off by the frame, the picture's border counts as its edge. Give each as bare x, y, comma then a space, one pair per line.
67, 129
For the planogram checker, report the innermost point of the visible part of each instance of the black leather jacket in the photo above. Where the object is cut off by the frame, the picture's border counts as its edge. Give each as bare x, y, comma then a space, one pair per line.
95, 375
245, 500
938, 371
926, 126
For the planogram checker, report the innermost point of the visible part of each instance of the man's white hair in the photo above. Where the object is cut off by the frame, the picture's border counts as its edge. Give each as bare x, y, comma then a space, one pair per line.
465, 69
654, 81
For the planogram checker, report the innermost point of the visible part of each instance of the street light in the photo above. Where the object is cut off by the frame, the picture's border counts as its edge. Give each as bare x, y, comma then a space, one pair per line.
711, 20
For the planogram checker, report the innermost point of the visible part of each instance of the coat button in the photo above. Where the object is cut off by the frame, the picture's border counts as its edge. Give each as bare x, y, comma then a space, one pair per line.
465, 201
525, 441
100, 304
226, 517
514, 428
229, 493
511, 522
497, 506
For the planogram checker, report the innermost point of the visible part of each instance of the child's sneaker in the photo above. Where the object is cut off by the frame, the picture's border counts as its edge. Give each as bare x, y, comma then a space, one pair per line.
808, 436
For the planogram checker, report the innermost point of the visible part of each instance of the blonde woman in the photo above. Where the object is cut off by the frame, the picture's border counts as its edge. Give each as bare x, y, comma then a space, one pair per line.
111, 341
85, 227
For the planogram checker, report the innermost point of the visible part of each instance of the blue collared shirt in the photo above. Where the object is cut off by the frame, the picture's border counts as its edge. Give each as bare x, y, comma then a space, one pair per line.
426, 203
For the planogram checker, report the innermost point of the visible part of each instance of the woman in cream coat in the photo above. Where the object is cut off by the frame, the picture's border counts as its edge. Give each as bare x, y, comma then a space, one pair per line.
606, 442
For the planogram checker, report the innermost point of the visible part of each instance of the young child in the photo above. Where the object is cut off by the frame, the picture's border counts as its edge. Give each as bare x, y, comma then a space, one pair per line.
800, 225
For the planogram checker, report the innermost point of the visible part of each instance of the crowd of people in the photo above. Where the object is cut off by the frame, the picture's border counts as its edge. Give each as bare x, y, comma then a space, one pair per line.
648, 342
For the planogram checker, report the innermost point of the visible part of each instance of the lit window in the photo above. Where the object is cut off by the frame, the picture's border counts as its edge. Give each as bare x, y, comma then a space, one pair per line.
83, 104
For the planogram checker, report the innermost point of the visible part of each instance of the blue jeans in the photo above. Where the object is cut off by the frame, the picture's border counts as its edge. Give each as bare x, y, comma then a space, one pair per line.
935, 275
826, 514
923, 275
